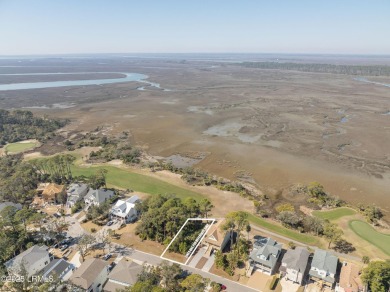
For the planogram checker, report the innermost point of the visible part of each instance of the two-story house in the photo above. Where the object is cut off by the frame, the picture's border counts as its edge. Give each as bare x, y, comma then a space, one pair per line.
75, 193
31, 261
216, 239
265, 255
90, 276
294, 264
97, 197
124, 210
323, 267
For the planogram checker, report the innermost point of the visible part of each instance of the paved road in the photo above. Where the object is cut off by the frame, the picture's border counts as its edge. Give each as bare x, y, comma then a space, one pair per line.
76, 230
338, 254
155, 260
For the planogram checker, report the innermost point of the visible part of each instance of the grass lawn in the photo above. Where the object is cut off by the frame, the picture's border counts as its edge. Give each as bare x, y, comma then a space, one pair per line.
20, 147
126, 179
368, 233
334, 214
304, 238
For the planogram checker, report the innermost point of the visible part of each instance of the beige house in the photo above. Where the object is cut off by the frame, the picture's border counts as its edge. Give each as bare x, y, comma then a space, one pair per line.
349, 279
51, 191
216, 239
91, 275
124, 274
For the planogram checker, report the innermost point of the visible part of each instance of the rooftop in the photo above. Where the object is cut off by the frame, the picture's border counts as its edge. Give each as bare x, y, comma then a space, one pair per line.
215, 235
266, 251
296, 259
88, 271
350, 278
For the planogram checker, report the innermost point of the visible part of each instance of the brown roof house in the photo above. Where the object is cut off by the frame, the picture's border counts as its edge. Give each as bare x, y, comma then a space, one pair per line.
216, 239
90, 276
51, 192
123, 275
349, 279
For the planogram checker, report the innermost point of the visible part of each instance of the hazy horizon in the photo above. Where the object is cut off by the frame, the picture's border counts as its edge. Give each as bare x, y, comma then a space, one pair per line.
46, 27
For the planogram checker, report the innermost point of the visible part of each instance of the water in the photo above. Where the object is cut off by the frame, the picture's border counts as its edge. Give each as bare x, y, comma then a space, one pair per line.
361, 79
128, 77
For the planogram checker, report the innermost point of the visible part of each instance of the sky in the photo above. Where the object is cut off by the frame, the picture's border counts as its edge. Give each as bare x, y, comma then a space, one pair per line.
30, 27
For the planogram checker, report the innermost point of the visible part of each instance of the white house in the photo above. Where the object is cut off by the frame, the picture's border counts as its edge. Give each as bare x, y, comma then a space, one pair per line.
98, 197
33, 260
91, 275
323, 267
294, 264
125, 209
75, 193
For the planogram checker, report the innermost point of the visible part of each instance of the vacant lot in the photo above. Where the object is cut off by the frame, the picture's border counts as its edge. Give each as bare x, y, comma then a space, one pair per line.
368, 233
334, 214
21, 146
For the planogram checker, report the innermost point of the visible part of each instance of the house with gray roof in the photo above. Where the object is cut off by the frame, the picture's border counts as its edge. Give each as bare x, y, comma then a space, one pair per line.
324, 267
90, 276
58, 268
123, 275
75, 193
8, 204
265, 255
32, 260
294, 264
98, 197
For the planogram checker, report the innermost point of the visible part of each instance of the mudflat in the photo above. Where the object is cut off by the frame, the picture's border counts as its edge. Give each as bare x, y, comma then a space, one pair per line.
271, 128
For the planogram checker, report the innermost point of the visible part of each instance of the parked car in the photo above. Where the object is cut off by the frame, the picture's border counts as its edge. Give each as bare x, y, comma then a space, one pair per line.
64, 247
109, 223
222, 286
111, 266
107, 256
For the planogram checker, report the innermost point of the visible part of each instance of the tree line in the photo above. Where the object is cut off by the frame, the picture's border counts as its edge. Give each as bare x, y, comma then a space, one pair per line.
21, 125
369, 70
163, 215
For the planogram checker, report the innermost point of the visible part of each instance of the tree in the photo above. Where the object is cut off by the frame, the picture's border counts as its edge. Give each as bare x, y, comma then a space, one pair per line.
84, 244
377, 276
284, 208
313, 224
194, 283
257, 205
365, 260
220, 260
289, 219
341, 245
205, 207
332, 232
170, 275
248, 229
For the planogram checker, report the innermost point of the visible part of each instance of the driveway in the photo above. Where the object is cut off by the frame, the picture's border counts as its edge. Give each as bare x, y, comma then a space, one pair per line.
195, 260
207, 266
288, 286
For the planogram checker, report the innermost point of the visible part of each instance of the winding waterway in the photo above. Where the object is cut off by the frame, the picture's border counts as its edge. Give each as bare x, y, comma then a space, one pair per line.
128, 77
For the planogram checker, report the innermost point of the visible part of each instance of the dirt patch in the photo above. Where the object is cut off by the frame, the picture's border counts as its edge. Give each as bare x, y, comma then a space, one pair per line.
129, 239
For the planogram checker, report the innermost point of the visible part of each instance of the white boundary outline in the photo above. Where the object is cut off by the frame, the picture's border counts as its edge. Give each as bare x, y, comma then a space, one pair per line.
173, 239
